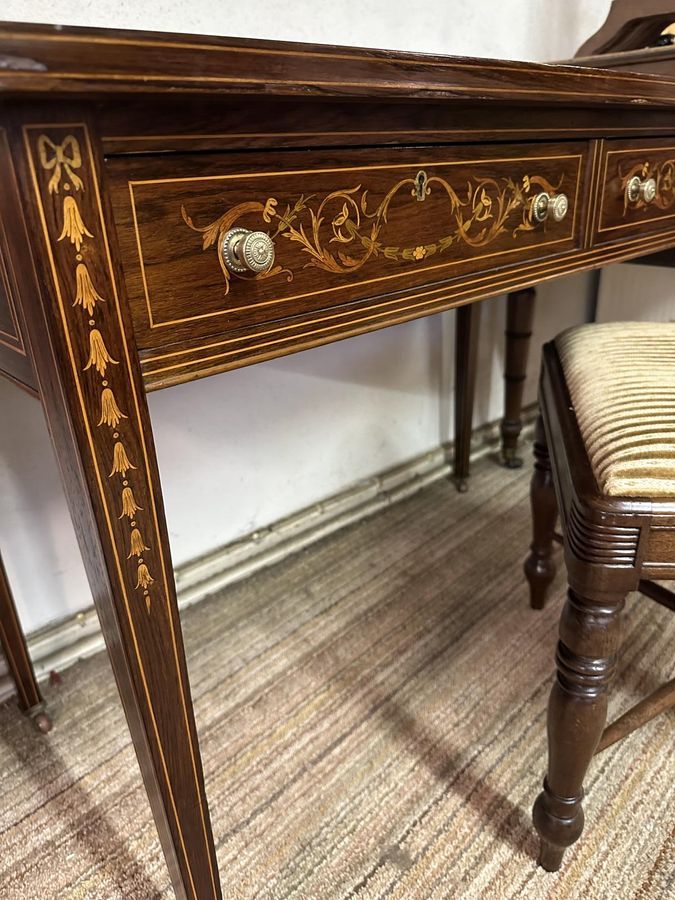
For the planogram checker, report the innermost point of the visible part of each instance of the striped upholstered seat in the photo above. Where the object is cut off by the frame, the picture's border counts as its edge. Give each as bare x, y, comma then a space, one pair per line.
621, 379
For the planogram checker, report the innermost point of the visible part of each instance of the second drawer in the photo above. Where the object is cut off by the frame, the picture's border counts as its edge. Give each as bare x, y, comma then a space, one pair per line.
637, 189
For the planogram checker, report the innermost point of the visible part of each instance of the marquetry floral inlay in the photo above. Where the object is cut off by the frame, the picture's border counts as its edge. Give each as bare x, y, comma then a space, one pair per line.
73, 227
121, 464
110, 411
98, 353
61, 160
342, 231
86, 294
137, 544
129, 505
145, 579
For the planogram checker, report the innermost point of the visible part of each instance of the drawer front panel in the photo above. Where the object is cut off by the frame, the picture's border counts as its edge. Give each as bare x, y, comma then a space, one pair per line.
347, 226
637, 193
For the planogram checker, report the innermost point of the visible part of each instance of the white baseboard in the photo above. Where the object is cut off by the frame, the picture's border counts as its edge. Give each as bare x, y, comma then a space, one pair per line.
58, 646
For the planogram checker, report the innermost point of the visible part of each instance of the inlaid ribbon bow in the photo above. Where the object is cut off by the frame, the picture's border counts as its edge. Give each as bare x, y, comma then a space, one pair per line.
55, 156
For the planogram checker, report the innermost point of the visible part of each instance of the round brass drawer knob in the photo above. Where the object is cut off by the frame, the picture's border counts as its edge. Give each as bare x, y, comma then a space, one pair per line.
641, 189
558, 207
550, 206
247, 251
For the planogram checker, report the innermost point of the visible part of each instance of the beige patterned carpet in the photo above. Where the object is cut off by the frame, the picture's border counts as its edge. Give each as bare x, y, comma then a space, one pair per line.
372, 722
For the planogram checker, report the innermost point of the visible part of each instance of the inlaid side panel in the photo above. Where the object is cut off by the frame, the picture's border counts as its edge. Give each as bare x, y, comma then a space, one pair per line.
14, 358
10, 335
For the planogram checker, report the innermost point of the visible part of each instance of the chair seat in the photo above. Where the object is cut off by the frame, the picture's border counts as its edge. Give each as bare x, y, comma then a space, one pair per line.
621, 380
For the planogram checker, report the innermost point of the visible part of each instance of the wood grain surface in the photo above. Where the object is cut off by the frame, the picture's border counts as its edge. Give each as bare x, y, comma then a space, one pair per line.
48, 59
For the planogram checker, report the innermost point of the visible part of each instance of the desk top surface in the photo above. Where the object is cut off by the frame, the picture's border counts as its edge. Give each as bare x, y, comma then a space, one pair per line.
39, 59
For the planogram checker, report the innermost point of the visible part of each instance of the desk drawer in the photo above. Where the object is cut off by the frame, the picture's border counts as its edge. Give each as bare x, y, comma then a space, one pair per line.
347, 225
637, 194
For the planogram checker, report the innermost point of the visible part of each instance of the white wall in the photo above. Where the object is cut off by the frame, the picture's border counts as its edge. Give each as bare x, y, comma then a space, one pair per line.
629, 292
281, 435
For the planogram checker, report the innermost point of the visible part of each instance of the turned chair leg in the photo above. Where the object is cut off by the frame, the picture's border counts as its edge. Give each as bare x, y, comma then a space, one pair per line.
539, 565
16, 653
586, 662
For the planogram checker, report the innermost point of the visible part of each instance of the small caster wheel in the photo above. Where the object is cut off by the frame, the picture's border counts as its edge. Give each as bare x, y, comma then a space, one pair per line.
42, 722
38, 715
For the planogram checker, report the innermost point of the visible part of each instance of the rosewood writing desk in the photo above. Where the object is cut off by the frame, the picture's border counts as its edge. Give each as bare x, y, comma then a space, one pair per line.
173, 207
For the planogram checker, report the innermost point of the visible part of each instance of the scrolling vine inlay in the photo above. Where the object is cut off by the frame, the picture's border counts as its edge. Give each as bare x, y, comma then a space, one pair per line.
342, 231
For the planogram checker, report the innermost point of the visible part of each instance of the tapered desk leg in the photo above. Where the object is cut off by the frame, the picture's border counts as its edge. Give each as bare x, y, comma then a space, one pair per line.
89, 377
519, 316
466, 365
16, 653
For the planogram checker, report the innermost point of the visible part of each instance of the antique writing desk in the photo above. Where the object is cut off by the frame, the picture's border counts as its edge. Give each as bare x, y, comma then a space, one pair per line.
172, 207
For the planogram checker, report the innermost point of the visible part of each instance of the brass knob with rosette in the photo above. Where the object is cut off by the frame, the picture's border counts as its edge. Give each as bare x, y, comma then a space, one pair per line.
640, 189
549, 206
245, 251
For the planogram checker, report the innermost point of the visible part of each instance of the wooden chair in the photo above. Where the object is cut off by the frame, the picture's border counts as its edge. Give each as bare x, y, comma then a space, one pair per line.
605, 461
